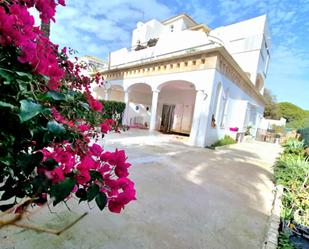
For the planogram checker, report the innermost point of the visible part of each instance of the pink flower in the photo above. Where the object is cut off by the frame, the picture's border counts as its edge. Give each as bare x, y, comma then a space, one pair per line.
86, 163
116, 204
56, 175
118, 158
83, 177
61, 2
94, 103
105, 128
96, 149
106, 156
83, 127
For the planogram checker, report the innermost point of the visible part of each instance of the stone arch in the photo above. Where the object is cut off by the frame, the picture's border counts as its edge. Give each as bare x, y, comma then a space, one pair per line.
132, 85
176, 103
176, 84
139, 105
116, 93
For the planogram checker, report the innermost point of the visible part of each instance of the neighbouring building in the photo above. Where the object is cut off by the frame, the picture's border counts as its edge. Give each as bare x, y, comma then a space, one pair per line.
267, 124
183, 77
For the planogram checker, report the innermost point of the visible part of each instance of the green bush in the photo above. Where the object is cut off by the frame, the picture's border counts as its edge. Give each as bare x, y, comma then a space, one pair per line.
290, 169
283, 241
304, 133
294, 146
224, 141
112, 109
292, 172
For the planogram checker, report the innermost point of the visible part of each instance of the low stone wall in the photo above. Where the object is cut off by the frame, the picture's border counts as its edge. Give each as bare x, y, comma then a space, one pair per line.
272, 232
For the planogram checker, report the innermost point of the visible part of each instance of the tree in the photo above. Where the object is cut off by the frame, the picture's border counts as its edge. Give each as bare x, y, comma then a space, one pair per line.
49, 143
295, 116
271, 110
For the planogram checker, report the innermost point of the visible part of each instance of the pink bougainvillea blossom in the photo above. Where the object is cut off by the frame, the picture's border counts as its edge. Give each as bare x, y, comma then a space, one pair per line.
75, 154
105, 128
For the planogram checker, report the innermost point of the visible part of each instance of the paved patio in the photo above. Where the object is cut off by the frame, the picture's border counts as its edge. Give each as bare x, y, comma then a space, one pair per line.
188, 198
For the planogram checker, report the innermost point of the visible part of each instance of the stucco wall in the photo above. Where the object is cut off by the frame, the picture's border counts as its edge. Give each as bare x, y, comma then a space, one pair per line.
245, 41
237, 105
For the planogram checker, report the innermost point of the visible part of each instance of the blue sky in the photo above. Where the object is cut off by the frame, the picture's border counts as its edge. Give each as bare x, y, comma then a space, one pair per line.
94, 27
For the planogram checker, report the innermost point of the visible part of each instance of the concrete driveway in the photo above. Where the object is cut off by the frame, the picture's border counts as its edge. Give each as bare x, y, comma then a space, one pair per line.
188, 198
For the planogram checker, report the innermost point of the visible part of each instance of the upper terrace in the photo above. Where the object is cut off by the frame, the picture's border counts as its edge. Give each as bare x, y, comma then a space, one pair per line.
247, 42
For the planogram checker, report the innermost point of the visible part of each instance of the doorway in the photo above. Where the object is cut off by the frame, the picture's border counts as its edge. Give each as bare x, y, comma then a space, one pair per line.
167, 120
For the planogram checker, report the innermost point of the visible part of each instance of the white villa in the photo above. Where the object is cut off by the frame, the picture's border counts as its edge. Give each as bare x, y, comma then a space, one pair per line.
183, 77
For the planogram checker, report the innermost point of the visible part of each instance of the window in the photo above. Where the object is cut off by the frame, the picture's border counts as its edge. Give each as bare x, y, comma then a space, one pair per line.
224, 111
217, 104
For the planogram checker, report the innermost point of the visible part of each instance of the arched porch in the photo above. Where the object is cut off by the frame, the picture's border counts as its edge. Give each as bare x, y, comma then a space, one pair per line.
176, 103
138, 98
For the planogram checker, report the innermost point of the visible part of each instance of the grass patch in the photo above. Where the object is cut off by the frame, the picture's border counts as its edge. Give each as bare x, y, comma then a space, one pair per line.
227, 140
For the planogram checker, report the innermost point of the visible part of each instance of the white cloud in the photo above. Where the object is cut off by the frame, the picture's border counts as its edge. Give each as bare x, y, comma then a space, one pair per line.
95, 27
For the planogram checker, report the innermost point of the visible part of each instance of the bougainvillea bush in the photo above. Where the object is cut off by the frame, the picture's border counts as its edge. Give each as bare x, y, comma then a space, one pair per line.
50, 124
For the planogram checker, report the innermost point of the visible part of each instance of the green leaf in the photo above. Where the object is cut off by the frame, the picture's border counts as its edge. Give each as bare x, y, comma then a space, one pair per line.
56, 95
50, 163
92, 191
85, 106
6, 207
81, 194
7, 76
8, 194
101, 200
28, 110
29, 162
4, 104
62, 190
95, 175
24, 75
55, 128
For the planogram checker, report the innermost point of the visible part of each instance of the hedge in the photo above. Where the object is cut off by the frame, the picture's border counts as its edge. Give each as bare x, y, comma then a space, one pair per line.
113, 107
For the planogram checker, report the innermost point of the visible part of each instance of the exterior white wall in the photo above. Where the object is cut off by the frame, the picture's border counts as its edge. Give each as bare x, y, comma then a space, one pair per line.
237, 105
169, 42
155, 29
99, 92
146, 31
245, 41
268, 123
116, 95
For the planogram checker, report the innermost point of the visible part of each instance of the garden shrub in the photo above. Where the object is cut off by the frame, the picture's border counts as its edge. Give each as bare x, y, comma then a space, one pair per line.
284, 242
49, 143
304, 134
224, 141
113, 109
294, 146
292, 172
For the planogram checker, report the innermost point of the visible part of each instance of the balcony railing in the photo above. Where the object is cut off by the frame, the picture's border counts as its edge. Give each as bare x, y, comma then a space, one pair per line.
213, 42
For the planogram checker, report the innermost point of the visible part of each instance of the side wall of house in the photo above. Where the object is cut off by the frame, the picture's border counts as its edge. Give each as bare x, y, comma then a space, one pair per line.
232, 107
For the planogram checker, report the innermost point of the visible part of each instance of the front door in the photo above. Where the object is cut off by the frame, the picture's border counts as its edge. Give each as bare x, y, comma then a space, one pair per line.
167, 118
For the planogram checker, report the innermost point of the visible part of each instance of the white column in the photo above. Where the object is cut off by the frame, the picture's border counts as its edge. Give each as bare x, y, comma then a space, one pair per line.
199, 102
125, 118
106, 94
154, 105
